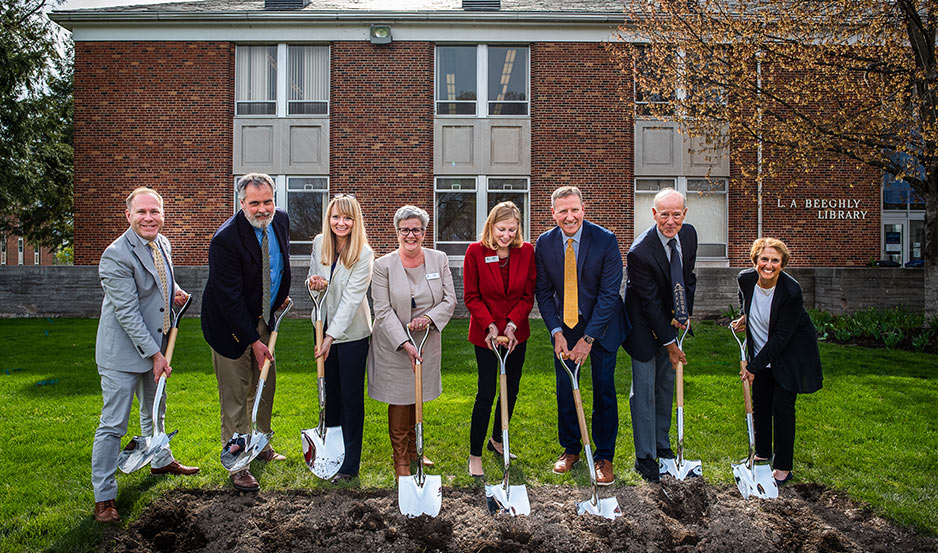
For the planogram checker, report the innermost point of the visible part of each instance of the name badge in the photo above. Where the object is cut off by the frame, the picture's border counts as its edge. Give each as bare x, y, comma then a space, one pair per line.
433, 276
491, 259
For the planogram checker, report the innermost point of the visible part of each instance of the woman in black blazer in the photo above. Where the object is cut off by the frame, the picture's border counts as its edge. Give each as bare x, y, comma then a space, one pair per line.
782, 348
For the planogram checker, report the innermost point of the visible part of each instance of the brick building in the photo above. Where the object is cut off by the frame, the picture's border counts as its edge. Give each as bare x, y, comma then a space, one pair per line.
447, 104
15, 250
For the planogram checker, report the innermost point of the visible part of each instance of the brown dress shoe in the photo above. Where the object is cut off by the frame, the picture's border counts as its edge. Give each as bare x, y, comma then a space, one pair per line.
244, 481
175, 468
106, 511
270, 455
604, 474
565, 463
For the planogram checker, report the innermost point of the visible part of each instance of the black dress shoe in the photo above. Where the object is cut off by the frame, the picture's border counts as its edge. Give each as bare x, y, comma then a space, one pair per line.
343, 477
666, 453
648, 468
785, 480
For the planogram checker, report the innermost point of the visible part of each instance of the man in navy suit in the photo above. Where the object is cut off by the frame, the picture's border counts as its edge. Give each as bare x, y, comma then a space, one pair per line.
235, 322
583, 258
667, 245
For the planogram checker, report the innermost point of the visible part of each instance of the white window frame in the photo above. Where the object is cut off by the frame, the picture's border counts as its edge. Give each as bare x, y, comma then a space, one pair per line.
482, 89
19, 250
680, 184
282, 108
482, 211
3, 249
35, 255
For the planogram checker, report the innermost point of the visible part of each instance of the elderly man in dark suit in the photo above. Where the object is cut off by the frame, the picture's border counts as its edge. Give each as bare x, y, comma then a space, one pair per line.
136, 273
248, 277
579, 272
659, 298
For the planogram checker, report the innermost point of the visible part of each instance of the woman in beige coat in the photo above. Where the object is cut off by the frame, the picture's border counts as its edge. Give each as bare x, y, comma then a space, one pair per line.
342, 261
412, 285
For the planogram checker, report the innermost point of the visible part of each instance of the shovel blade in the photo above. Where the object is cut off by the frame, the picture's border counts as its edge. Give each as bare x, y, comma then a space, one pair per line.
134, 455
415, 500
607, 507
514, 503
324, 455
254, 444
755, 482
682, 470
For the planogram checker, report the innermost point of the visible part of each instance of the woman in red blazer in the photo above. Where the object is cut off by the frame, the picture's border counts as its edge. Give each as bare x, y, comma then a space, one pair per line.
498, 288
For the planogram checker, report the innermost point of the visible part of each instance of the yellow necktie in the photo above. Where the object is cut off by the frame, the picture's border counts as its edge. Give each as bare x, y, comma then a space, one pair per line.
161, 271
570, 302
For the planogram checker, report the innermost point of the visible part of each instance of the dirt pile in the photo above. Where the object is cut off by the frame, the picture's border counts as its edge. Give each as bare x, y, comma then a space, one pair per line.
673, 516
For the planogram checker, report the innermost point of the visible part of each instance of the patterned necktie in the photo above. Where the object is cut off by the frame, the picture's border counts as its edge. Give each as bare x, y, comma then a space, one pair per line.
265, 272
677, 283
161, 271
570, 301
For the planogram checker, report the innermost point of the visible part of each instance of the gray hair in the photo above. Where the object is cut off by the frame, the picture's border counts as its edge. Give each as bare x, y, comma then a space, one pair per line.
142, 190
667, 192
253, 179
411, 212
563, 192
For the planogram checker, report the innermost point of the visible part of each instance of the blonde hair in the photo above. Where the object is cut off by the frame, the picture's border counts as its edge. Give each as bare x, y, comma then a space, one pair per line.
344, 204
142, 190
563, 192
501, 212
768, 242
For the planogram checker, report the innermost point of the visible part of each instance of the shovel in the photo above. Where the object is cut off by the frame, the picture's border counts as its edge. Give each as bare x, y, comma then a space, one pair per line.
607, 507
680, 468
752, 479
241, 449
323, 448
504, 498
420, 494
140, 450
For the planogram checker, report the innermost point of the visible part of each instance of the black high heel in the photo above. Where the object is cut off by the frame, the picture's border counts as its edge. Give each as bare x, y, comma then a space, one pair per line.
491, 447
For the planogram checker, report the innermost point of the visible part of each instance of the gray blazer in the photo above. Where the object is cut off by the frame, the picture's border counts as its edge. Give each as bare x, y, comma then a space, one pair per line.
390, 377
131, 325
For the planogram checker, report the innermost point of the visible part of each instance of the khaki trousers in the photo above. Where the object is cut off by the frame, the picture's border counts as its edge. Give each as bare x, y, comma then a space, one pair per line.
237, 384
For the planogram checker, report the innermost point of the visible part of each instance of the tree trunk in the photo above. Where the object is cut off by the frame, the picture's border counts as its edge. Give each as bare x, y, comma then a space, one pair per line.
931, 246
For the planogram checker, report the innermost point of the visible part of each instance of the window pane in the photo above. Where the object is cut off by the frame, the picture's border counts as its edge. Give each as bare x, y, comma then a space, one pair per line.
508, 184
895, 194
456, 108
652, 185
916, 240
643, 217
455, 217
456, 78
256, 74
707, 212
711, 250
517, 198
307, 183
705, 185
305, 202
508, 80
457, 249
467, 183
257, 108
308, 79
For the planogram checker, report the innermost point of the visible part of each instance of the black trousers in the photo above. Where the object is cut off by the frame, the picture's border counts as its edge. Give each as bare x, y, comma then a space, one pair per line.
489, 371
773, 409
345, 397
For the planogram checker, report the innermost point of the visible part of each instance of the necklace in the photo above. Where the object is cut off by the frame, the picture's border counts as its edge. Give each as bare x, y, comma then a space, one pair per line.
505, 262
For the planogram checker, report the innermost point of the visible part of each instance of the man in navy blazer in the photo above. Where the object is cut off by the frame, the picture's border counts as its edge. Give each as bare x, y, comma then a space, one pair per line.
232, 319
599, 329
649, 304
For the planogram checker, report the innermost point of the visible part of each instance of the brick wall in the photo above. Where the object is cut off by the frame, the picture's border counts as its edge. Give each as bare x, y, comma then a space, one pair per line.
581, 135
381, 131
155, 114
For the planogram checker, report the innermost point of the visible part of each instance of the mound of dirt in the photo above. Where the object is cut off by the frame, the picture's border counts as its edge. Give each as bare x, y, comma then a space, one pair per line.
674, 516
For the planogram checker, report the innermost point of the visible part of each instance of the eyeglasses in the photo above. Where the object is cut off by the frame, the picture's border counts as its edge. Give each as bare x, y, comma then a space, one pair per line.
414, 231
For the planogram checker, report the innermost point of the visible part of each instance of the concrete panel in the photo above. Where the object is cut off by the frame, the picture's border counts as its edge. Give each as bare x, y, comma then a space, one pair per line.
657, 148
508, 147
306, 146
254, 146
702, 159
457, 146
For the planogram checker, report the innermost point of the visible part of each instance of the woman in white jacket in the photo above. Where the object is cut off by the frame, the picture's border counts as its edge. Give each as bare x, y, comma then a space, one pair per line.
342, 260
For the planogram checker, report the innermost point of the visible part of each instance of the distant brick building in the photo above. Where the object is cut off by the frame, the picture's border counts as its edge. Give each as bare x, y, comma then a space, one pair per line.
430, 102
14, 250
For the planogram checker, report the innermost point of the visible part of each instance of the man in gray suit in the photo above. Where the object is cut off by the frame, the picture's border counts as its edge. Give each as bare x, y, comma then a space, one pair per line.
137, 276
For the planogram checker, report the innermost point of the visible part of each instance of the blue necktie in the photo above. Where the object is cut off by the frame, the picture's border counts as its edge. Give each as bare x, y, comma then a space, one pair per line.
677, 284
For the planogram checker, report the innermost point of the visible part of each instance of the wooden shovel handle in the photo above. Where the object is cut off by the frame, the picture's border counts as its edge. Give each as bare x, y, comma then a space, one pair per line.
320, 363
171, 345
418, 396
747, 394
679, 377
270, 347
580, 417
503, 398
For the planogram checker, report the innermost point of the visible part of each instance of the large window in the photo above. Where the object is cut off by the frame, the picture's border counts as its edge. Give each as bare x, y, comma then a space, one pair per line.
903, 237
493, 76
261, 88
463, 203
706, 209
652, 98
256, 80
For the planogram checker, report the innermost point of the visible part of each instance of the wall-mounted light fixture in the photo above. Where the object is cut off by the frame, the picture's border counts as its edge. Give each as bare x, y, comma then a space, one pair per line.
380, 34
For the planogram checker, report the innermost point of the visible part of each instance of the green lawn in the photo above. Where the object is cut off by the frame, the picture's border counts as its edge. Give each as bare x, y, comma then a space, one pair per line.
871, 431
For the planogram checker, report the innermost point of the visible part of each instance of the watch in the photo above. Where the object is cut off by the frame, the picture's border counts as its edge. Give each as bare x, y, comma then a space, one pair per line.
588, 339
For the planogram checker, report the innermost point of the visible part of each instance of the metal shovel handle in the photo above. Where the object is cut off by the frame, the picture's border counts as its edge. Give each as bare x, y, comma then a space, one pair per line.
175, 316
